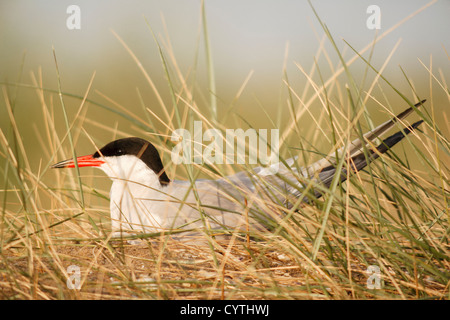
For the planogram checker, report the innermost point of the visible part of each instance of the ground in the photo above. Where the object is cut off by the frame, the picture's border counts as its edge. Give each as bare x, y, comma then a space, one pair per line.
170, 269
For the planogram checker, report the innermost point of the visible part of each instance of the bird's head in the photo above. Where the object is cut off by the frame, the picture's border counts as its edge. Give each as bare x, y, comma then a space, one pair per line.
130, 159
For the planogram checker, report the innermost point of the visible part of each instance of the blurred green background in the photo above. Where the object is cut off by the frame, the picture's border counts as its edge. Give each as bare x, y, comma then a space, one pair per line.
245, 36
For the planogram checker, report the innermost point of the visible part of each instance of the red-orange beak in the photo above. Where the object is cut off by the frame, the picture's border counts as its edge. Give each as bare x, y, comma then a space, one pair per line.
83, 161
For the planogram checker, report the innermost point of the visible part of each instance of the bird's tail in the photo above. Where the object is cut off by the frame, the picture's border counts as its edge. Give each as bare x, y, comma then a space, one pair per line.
356, 146
360, 160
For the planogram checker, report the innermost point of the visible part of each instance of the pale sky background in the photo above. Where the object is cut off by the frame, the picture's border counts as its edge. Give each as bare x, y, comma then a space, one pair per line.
245, 36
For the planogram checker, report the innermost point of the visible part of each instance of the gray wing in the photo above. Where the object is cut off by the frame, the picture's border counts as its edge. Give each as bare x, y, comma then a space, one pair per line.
360, 160
288, 182
259, 191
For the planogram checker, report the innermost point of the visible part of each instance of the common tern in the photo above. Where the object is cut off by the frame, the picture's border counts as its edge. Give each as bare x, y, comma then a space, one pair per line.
144, 199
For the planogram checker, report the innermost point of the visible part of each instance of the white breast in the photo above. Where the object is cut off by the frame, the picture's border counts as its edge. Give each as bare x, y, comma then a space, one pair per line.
134, 187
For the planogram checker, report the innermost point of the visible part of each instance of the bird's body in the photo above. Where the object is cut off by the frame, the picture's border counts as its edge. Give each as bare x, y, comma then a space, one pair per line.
144, 204
140, 202
144, 199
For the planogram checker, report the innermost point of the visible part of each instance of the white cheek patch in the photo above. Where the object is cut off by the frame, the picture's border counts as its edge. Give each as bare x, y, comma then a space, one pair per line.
129, 168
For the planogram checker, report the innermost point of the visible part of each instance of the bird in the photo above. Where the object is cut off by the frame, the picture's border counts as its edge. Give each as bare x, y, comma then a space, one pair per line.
144, 200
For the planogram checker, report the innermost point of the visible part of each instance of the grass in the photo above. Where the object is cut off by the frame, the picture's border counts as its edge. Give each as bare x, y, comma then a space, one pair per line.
393, 215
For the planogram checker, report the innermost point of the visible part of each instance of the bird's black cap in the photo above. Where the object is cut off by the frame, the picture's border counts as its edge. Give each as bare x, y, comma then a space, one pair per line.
140, 148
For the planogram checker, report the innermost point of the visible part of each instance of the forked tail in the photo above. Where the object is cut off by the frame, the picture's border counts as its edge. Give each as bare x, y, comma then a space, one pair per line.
360, 160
